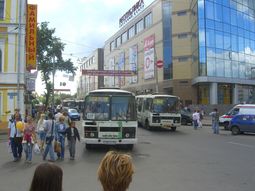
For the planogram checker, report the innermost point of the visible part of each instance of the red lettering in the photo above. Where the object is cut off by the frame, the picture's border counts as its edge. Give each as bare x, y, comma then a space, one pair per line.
32, 25
31, 57
32, 13
31, 20
32, 7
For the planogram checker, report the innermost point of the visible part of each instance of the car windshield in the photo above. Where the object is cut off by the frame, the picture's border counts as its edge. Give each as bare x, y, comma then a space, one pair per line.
73, 111
165, 104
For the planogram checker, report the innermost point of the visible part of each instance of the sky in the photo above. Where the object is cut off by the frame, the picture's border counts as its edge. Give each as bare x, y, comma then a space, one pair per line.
83, 25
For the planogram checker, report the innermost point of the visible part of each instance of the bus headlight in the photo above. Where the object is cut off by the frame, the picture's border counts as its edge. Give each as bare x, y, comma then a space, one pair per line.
92, 135
127, 135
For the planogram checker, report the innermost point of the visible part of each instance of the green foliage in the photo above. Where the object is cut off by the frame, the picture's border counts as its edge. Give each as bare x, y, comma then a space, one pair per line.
49, 51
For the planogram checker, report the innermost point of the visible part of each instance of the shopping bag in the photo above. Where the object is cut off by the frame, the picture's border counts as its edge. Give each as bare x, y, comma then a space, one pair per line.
36, 149
57, 147
9, 148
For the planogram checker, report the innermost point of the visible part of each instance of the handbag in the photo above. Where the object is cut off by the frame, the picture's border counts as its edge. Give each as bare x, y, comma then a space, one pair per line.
49, 139
57, 147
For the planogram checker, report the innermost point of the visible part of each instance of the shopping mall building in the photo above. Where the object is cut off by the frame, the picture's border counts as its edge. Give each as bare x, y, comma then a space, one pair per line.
207, 48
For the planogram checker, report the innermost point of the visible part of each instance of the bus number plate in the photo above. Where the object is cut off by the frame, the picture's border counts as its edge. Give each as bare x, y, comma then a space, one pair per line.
167, 123
109, 135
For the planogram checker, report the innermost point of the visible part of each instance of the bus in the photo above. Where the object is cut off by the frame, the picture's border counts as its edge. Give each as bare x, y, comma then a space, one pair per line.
68, 104
79, 105
109, 118
158, 111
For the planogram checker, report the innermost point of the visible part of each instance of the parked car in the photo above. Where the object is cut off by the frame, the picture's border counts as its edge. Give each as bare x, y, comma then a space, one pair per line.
186, 117
242, 123
238, 109
74, 115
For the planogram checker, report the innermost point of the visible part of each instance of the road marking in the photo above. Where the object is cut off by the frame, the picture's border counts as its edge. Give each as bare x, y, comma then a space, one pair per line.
240, 144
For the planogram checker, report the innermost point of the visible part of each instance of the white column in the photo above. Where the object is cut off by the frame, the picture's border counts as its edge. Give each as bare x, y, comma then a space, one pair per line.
214, 93
235, 94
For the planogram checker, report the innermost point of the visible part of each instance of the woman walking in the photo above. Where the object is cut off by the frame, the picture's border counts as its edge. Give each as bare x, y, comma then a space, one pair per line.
40, 131
29, 138
72, 134
60, 136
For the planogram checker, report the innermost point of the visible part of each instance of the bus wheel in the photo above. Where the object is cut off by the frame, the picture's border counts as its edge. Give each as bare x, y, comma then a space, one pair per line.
88, 146
173, 128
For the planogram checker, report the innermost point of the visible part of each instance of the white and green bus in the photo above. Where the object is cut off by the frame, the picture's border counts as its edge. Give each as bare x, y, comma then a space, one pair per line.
109, 118
158, 111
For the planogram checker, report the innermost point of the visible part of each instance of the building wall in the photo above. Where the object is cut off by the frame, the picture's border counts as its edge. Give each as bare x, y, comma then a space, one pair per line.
9, 65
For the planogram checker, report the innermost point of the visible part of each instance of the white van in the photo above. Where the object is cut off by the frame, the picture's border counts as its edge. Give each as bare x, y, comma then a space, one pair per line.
238, 109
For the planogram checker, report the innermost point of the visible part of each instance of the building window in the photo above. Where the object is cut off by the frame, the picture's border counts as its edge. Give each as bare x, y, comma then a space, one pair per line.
183, 59
1, 9
124, 37
182, 35
131, 32
118, 41
148, 20
182, 13
139, 26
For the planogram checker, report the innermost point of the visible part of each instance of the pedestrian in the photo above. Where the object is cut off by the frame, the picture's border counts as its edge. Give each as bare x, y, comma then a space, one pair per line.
115, 171
200, 117
67, 120
195, 118
49, 128
72, 134
15, 137
47, 177
215, 121
29, 138
57, 115
40, 131
60, 136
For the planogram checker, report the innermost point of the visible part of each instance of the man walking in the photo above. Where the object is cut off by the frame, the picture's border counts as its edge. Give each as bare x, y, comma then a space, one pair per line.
215, 121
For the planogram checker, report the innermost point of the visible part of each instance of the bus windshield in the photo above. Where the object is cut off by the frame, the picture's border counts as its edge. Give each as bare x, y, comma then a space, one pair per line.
110, 108
165, 105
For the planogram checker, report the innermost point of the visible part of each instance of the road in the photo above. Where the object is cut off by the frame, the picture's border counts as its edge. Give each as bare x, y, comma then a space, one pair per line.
193, 160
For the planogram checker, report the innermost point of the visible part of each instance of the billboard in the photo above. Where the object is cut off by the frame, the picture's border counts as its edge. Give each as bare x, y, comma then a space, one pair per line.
133, 63
31, 30
121, 66
149, 43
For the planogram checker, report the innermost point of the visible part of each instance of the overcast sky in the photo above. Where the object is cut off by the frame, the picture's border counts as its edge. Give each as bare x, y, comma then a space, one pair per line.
83, 25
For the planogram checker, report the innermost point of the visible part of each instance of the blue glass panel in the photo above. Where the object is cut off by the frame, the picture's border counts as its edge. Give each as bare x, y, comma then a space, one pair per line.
218, 12
234, 43
218, 26
252, 43
209, 24
233, 4
226, 15
247, 71
240, 44
246, 22
202, 55
226, 28
241, 32
219, 39
235, 69
220, 67
234, 30
246, 34
210, 38
210, 53
228, 68
241, 57
233, 17
226, 3
202, 37
219, 53
201, 9
240, 19
201, 23
209, 6
211, 67
241, 70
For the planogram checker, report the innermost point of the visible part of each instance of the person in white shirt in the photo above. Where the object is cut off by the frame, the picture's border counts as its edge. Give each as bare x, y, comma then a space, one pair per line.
195, 118
57, 115
40, 130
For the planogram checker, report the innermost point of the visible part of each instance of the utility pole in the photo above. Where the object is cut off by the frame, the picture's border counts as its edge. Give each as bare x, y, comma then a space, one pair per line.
53, 84
19, 55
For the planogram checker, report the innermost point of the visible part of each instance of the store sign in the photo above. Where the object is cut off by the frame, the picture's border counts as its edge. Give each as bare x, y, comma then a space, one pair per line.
31, 32
149, 43
30, 84
108, 72
131, 12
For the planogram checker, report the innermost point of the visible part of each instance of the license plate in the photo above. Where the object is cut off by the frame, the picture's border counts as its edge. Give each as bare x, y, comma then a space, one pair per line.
109, 135
109, 142
167, 124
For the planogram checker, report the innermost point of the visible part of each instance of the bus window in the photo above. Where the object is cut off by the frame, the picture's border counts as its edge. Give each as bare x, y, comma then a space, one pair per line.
165, 105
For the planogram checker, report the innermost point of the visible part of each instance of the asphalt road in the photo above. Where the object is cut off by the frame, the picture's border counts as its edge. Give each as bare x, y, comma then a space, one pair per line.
193, 160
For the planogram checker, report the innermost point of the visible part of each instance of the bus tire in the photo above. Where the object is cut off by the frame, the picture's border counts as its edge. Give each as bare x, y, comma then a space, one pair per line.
88, 146
173, 128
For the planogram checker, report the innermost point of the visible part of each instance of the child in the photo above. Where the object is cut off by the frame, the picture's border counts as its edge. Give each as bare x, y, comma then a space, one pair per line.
72, 133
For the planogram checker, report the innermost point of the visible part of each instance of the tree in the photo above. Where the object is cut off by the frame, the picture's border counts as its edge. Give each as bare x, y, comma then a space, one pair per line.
49, 50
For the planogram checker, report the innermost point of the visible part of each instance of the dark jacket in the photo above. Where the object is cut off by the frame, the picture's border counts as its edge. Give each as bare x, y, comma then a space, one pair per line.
76, 133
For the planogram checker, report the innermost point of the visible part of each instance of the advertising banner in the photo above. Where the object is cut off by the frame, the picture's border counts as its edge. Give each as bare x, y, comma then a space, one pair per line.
31, 31
121, 66
133, 63
149, 57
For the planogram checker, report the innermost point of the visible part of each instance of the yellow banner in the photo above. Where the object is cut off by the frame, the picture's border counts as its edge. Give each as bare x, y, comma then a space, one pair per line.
31, 36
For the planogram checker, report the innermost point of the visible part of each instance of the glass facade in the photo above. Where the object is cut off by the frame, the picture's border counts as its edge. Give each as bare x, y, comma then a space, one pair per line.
226, 37
167, 40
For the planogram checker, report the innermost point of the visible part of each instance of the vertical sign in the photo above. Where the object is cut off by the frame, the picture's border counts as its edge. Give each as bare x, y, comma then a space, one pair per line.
109, 80
121, 66
149, 57
31, 31
133, 63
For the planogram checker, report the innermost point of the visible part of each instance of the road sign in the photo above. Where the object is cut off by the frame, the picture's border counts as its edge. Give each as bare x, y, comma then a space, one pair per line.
160, 63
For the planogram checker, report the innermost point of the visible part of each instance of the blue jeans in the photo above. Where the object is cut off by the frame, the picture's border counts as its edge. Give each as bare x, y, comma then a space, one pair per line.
215, 127
49, 148
16, 148
42, 135
28, 147
61, 139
